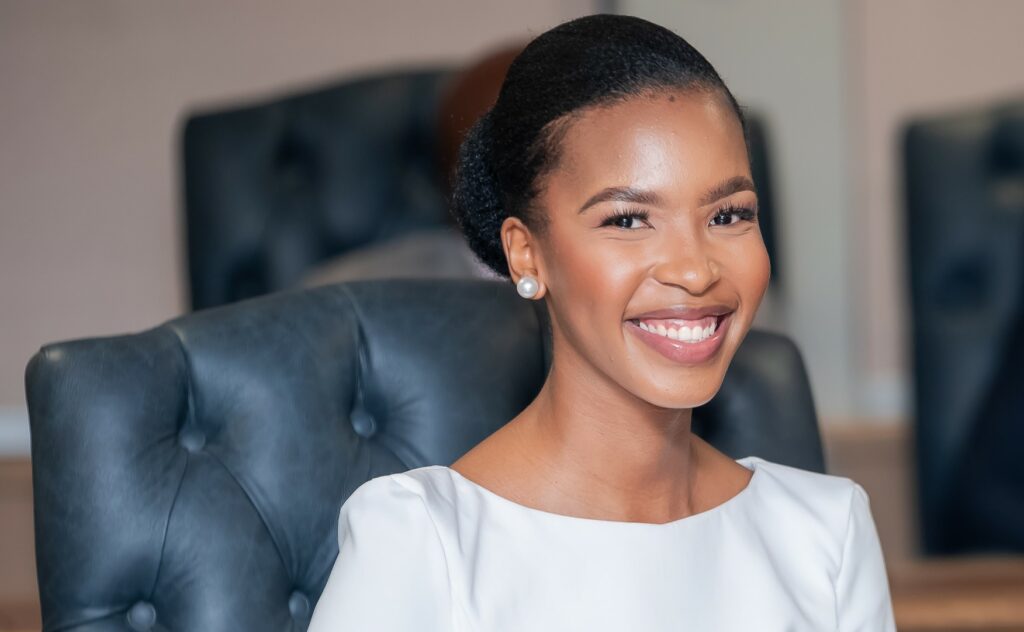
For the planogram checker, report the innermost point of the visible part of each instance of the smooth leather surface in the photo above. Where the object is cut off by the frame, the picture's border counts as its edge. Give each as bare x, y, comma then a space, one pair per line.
965, 224
189, 477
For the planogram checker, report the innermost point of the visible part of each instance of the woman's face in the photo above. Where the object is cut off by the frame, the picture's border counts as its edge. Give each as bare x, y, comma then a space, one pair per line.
652, 260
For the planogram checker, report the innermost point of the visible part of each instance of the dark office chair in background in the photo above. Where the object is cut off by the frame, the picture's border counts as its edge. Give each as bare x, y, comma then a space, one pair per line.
272, 189
189, 477
965, 224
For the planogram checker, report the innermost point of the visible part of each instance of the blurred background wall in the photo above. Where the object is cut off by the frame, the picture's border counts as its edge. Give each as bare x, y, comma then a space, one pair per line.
909, 58
94, 94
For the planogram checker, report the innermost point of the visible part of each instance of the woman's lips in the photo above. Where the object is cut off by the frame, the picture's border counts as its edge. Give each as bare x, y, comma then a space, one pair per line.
680, 351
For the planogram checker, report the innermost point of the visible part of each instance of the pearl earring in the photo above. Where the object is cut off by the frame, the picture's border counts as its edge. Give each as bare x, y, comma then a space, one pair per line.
527, 286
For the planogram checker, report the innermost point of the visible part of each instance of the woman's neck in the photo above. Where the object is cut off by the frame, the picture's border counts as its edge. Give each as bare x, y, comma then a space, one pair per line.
601, 446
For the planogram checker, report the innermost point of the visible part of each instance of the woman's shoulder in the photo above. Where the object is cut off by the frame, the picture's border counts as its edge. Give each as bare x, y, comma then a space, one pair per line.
808, 511
413, 493
801, 480
803, 496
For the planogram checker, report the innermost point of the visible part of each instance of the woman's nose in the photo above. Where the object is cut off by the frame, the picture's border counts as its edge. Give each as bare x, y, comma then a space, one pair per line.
689, 266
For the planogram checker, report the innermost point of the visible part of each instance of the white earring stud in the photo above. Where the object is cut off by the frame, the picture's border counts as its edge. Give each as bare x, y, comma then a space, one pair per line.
527, 286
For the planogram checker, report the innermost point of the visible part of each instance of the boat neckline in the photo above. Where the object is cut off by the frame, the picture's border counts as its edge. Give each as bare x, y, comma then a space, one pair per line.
752, 463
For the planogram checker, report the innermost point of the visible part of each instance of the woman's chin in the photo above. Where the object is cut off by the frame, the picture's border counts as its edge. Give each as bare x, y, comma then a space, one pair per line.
672, 397
676, 388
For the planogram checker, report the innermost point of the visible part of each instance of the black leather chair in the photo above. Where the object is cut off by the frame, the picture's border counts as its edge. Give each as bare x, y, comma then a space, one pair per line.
189, 477
965, 223
274, 188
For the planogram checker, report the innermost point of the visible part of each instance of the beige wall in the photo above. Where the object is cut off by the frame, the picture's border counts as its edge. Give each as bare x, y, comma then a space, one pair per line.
910, 57
93, 96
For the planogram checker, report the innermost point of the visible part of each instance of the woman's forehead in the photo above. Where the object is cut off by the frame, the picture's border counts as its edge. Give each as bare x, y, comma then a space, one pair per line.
676, 143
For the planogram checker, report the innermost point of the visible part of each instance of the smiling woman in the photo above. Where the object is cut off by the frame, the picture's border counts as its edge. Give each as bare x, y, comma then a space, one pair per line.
671, 243
611, 179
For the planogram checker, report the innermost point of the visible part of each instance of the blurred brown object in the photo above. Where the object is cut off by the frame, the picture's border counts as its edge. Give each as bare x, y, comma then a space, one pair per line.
471, 93
947, 594
19, 602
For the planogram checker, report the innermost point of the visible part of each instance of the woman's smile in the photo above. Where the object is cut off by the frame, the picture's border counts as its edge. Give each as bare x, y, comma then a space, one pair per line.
680, 340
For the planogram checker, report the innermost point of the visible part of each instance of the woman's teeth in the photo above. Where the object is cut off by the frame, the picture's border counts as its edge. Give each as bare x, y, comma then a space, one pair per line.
699, 332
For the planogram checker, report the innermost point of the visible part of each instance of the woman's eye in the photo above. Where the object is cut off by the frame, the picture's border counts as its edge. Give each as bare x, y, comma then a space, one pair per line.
729, 216
629, 221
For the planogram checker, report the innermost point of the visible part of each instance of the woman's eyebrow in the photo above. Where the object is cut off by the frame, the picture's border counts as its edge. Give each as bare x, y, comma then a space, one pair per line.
622, 194
726, 188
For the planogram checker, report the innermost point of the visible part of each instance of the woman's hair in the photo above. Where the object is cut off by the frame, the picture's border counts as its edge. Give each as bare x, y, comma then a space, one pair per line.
590, 61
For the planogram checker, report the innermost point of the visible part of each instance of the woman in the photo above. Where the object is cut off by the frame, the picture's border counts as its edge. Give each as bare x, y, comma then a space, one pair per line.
612, 179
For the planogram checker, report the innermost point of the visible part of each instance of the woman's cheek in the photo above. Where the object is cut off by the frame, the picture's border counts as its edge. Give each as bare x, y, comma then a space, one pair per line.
592, 265
752, 270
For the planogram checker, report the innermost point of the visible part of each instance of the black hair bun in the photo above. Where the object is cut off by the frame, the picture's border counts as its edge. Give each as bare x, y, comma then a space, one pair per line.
476, 201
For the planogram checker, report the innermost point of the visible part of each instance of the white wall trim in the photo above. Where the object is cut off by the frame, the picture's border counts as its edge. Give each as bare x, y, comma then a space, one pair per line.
14, 433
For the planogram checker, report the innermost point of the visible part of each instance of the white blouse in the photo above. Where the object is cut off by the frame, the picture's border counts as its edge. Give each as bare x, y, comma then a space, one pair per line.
429, 550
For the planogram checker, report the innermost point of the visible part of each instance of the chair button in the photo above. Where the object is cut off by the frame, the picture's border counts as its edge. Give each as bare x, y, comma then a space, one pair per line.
298, 605
363, 423
142, 616
192, 439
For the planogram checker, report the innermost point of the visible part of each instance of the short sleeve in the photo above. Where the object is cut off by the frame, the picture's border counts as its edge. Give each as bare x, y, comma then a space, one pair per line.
863, 602
391, 574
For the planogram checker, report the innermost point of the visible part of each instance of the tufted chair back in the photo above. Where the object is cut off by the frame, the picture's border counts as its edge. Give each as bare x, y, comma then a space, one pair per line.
189, 477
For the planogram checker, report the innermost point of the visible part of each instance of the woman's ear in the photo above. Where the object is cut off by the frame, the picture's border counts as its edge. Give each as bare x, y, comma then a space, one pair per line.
522, 253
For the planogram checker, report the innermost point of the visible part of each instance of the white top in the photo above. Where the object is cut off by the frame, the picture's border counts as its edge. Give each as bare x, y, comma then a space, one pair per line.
429, 550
